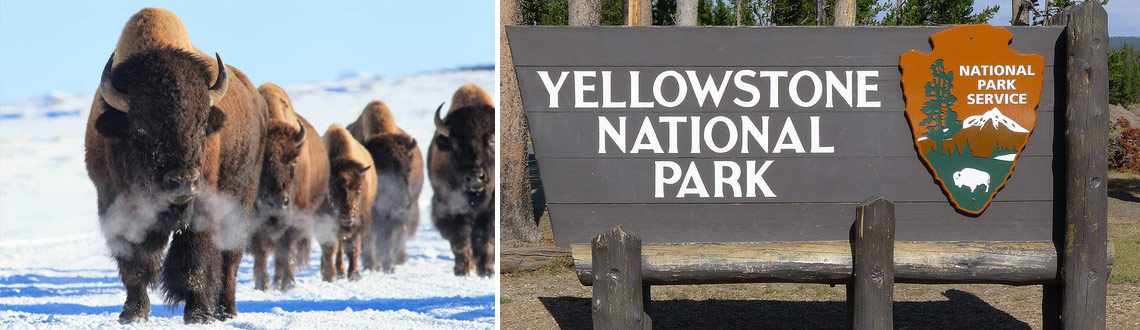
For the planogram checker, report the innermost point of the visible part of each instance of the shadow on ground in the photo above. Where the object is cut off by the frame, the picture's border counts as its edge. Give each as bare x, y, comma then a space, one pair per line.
963, 310
1127, 190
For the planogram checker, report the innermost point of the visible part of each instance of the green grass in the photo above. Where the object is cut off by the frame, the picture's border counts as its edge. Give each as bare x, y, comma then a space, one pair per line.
1124, 227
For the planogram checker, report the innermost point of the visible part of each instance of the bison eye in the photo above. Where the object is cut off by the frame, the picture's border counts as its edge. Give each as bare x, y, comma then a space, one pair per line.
293, 164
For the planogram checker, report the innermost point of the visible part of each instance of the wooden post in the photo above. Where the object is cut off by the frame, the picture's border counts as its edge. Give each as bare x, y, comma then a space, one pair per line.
869, 296
618, 297
687, 12
1020, 15
1084, 273
844, 12
739, 12
585, 12
638, 12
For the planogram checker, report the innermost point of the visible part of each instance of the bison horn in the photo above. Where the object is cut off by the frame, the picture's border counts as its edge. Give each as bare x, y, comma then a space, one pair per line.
218, 91
112, 96
365, 170
440, 127
300, 137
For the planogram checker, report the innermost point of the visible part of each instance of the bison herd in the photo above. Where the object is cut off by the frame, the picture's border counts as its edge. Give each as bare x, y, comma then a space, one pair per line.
185, 152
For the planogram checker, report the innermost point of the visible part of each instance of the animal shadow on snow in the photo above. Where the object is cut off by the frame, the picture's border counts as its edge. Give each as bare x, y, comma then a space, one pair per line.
963, 311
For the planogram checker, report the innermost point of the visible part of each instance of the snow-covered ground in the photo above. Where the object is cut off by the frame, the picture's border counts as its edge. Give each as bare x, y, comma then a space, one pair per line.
56, 271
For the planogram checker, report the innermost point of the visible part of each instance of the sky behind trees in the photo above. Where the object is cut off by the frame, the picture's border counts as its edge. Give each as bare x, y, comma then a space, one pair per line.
62, 45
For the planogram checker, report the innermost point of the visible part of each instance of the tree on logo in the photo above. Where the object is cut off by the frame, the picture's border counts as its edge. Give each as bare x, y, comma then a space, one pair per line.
941, 122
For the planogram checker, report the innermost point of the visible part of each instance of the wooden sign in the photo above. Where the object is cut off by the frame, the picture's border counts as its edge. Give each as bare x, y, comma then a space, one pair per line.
971, 104
764, 134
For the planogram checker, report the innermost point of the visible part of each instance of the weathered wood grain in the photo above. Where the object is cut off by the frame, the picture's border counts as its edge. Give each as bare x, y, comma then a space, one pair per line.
788, 222
1084, 274
525, 259
618, 298
1015, 263
722, 46
792, 180
870, 293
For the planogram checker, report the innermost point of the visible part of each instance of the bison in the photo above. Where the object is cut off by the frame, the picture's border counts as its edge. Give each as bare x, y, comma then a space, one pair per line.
400, 174
294, 183
348, 214
173, 146
461, 170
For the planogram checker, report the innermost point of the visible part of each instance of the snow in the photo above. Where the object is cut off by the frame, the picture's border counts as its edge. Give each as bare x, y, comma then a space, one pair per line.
56, 271
1007, 157
995, 118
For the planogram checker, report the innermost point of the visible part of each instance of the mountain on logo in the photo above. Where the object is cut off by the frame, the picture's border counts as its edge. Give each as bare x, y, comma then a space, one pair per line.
996, 118
987, 135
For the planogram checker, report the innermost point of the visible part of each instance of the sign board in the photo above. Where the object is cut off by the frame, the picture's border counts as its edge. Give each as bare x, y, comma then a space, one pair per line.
758, 134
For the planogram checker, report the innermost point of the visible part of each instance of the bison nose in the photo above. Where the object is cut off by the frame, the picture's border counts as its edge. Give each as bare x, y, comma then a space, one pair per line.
346, 221
181, 185
284, 202
475, 180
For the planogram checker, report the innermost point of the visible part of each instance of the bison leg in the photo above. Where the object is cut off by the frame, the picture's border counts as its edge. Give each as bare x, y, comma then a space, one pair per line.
382, 241
283, 259
457, 230
352, 251
368, 253
409, 231
139, 268
343, 244
483, 241
328, 252
304, 249
227, 301
192, 274
260, 250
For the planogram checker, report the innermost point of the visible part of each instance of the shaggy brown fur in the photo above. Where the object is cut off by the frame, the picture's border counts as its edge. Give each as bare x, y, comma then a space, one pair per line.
462, 175
294, 183
352, 191
129, 154
400, 171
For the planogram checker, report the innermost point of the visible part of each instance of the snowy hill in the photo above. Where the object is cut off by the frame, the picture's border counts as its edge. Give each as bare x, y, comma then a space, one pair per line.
994, 118
56, 271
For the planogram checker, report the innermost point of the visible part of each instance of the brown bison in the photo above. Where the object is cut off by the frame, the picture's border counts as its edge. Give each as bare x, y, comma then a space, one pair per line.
461, 169
173, 145
348, 214
400, 178
294, 183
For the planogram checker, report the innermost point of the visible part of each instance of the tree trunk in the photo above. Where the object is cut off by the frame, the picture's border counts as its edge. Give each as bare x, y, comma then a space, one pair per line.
1020, 13
739, 12
638, 12
585, 12
898, 12
820, 12
844, 12
517, 218
686, 12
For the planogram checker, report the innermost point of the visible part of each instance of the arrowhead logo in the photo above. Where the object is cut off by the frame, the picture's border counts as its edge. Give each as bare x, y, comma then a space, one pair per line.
971, 104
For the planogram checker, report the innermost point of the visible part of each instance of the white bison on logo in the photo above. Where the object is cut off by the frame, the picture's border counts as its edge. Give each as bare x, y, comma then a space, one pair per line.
972, 178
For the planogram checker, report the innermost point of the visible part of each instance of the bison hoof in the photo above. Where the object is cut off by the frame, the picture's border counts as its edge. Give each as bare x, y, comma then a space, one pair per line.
287, 284
486, 272
198, 318
354, 276
225, 315
129, 318
461, 271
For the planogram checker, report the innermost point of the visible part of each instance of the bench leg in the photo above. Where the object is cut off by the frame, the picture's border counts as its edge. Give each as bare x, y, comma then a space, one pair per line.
870, 294
619, 296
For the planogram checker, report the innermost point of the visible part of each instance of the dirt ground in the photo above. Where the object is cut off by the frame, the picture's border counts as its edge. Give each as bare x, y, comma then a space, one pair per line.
553, 298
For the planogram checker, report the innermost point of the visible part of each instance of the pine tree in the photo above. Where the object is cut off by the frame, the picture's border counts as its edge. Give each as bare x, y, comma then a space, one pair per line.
941, 121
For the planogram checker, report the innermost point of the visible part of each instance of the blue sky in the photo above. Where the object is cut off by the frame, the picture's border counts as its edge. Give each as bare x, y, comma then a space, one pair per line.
1122, 15
62, 45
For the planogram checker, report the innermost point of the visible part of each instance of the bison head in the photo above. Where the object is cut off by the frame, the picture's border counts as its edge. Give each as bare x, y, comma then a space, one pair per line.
392, 155
279, 168
159, 111
467, 136
346, 186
